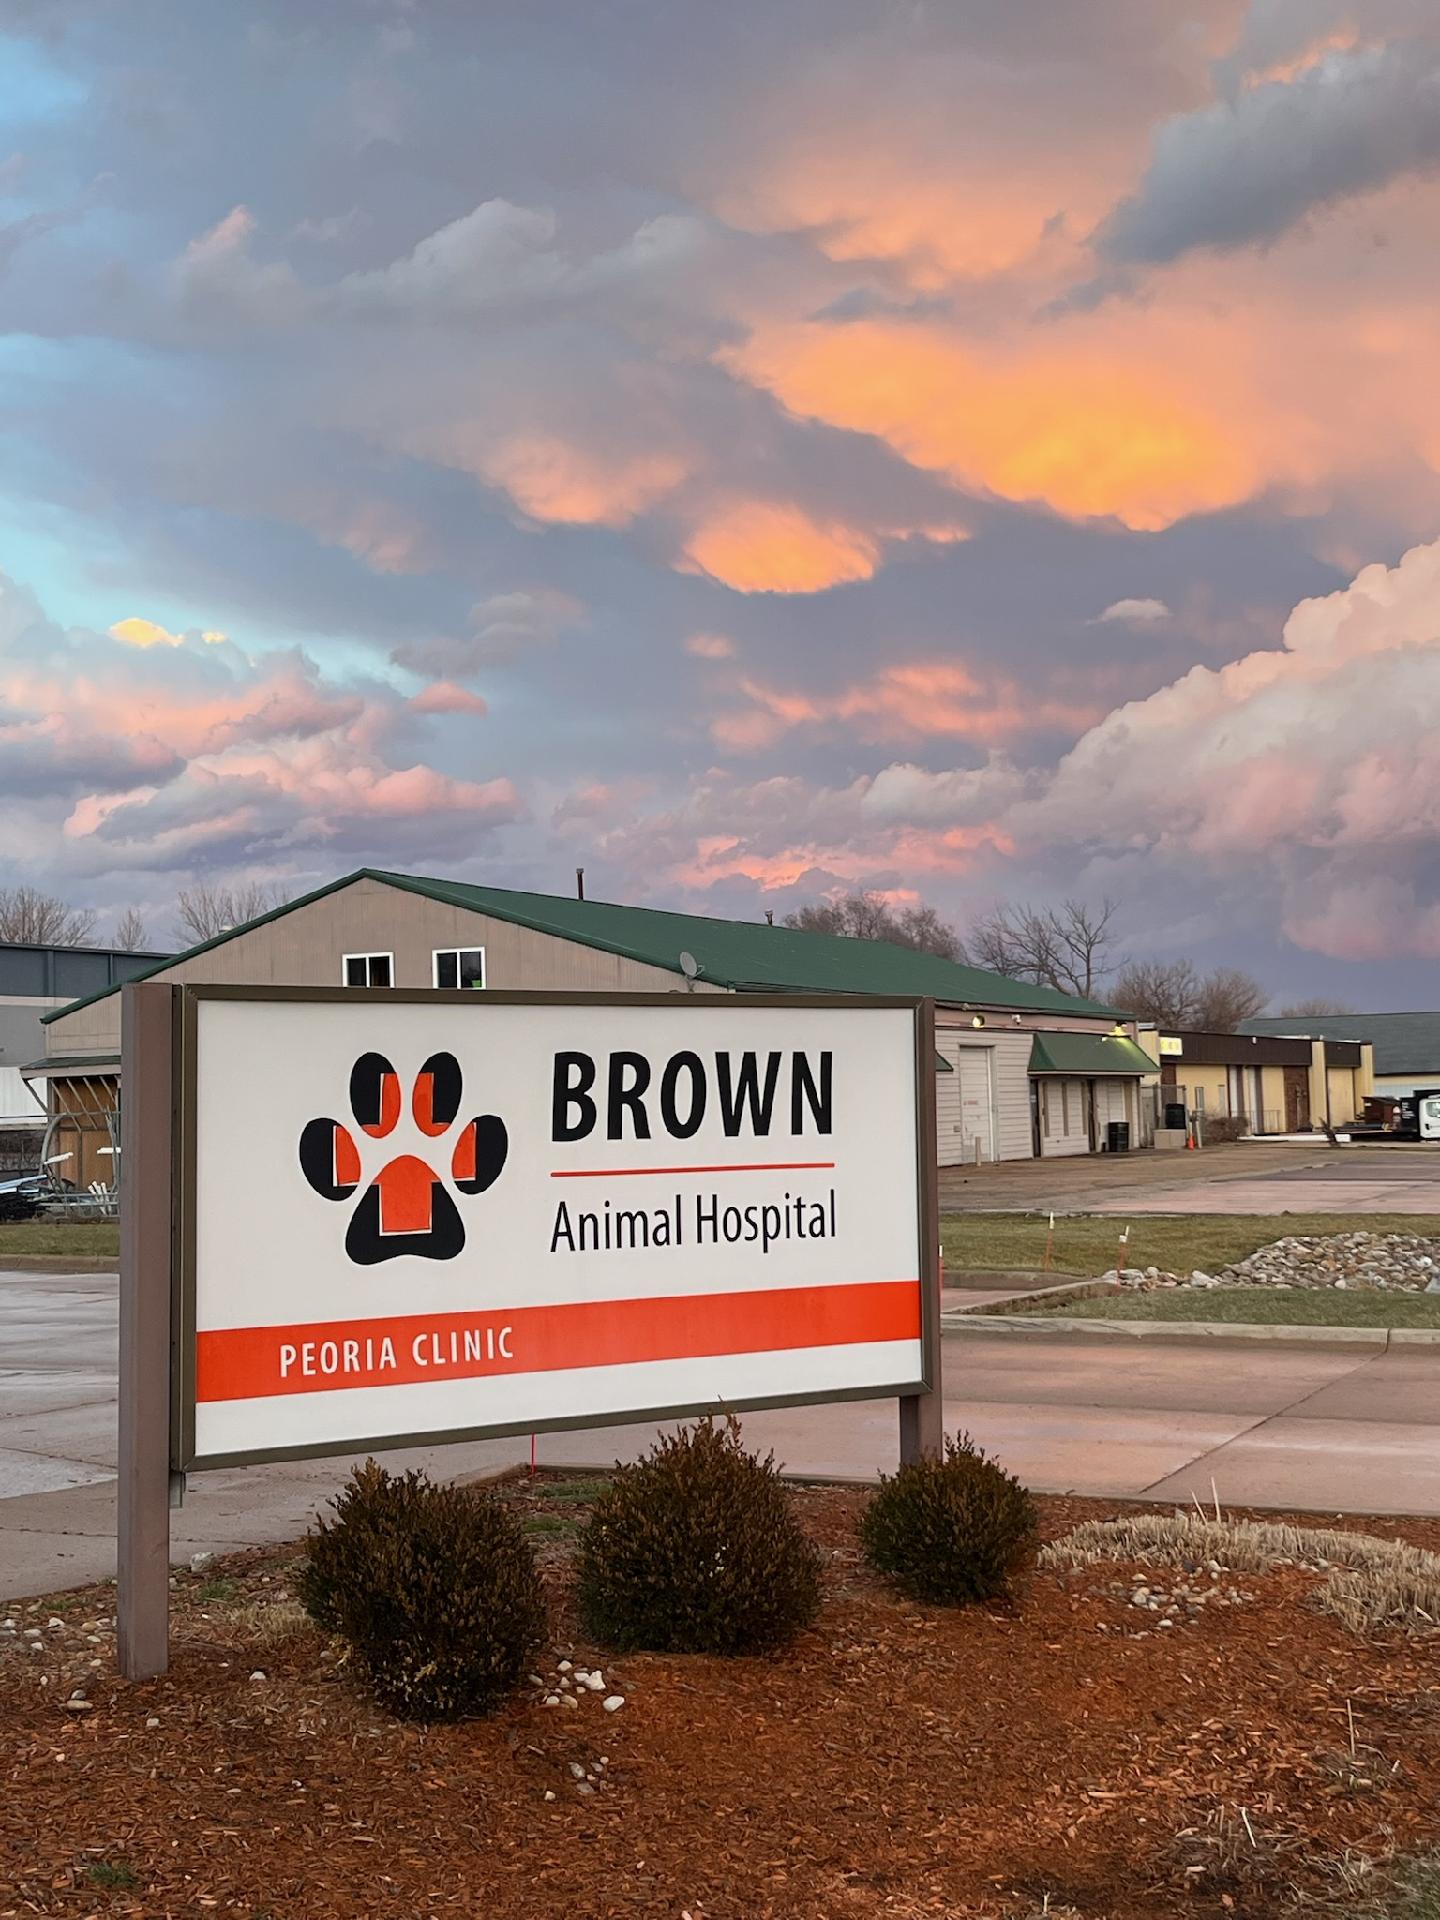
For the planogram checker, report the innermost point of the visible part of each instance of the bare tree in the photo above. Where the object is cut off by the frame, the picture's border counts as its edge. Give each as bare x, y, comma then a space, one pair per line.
1066, 947
1166, 992
1314, 1008
855, 916
922, 928
867, 916
204, 911
1228, 996
40, 919
129, 935
1172, 994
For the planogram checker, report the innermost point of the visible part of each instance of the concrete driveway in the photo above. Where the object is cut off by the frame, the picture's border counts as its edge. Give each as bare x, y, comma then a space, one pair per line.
1353, 1429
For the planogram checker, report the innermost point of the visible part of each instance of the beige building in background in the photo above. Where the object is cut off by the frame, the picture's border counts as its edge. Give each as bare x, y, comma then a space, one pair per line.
1022, 1070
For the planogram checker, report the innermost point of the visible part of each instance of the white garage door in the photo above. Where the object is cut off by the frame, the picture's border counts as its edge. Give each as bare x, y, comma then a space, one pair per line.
964, 1106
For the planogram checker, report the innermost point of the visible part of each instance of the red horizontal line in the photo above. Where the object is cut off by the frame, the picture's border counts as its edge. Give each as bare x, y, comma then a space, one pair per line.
743, 1166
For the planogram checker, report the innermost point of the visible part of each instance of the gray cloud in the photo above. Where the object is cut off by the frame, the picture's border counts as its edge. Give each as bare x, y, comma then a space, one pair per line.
436, 375
1247, 168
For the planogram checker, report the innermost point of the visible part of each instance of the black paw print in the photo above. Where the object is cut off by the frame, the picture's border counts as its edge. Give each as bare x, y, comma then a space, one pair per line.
406, 1208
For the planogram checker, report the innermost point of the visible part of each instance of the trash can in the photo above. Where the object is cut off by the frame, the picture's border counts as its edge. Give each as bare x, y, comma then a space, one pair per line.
1117, 1136
1175, 1115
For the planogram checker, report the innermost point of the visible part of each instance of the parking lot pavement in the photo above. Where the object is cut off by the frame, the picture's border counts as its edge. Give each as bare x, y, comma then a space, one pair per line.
1381, 1180
1326, 1430
1248, 1177
1075, 1183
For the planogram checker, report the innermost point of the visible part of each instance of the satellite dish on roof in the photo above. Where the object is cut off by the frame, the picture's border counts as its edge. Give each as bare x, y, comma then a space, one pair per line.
689, 965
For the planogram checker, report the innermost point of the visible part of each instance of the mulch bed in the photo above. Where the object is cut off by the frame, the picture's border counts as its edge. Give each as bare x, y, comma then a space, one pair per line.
897, 1762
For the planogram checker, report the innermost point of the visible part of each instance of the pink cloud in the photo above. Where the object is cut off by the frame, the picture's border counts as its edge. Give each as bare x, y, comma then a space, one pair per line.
166, 749
443, 696
907, 701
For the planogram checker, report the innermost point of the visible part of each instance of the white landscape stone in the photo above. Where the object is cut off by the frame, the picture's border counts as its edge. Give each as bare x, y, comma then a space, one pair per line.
1348, 1262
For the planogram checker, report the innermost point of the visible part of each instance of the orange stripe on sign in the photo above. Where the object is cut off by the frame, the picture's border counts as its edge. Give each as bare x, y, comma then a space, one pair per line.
250, 1363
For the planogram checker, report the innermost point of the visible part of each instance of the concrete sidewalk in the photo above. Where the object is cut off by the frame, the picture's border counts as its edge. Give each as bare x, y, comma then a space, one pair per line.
1354, 1430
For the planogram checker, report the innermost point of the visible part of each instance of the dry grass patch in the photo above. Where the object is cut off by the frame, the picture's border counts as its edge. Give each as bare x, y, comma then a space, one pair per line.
265, 1623
1370, 1584
1404, 1594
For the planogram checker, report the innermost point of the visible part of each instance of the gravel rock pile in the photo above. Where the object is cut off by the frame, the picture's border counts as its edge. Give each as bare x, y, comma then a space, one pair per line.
1391, 1262
1404, 1262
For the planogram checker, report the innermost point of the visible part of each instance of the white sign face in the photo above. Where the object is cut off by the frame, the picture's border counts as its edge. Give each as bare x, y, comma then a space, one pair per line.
428, 1218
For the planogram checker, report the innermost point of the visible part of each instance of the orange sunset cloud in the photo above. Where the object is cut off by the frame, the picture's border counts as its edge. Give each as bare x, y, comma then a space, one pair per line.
762, 546
1088, 430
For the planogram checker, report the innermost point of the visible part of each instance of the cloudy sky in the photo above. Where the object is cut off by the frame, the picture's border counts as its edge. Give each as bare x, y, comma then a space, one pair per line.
975, 450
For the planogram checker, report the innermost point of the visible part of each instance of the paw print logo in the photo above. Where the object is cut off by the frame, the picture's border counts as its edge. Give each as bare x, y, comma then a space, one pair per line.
407, 1207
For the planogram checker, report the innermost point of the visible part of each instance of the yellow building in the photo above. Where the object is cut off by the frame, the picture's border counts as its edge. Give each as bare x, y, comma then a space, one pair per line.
1269, 1083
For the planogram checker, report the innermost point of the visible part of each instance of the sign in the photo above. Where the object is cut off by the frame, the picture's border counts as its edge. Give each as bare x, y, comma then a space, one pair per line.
421, 1216
1171, 1044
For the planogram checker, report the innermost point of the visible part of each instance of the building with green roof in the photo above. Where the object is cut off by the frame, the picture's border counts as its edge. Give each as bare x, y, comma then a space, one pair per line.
1023, 1068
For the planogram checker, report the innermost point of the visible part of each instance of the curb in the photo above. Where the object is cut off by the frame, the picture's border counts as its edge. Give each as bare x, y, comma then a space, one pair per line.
1210, 1332
1066, 1290
67, 1266
979, 1274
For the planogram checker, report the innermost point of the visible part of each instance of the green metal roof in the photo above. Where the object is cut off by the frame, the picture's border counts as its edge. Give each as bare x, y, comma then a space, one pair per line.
736, 954
1088, 1055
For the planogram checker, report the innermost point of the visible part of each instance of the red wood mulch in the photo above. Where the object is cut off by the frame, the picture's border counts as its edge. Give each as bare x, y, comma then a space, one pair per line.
897, 1762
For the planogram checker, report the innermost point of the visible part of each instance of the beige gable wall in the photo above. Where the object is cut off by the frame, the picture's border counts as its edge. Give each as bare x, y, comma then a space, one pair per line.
305, 949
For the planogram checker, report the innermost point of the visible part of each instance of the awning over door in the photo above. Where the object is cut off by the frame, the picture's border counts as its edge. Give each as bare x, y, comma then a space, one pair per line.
1088, 1055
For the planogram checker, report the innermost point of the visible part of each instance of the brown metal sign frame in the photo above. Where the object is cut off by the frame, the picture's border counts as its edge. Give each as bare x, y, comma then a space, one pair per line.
158, 1255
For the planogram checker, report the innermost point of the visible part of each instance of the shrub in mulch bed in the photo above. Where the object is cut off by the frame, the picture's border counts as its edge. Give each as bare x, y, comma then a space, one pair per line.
1063, 1758
433, 1590
950, 1532
696, 1549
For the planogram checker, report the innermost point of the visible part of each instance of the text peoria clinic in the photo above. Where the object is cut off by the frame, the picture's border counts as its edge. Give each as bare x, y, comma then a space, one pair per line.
746, 1096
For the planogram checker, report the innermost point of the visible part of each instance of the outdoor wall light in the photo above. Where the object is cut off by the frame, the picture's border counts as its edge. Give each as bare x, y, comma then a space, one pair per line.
977, 1019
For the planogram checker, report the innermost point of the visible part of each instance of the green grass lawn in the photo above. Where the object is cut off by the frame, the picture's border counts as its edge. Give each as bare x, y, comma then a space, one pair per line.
1087, 1244
1258, 1306
98, 1239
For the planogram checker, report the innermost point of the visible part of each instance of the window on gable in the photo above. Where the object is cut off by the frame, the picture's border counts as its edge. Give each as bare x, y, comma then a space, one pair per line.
369, 970
460, 967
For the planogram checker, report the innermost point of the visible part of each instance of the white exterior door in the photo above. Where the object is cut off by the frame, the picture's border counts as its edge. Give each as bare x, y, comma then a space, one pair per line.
965, 1105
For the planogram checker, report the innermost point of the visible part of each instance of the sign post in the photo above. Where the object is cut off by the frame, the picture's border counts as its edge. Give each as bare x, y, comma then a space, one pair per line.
922, 1415
146, 1245
381, 1218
